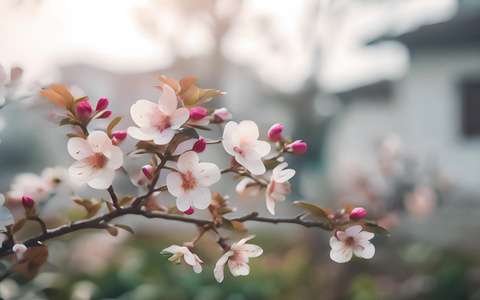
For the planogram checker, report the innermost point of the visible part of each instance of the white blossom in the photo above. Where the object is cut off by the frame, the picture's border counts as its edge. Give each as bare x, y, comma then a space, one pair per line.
278, 186
241, 141
352, 241
190, 184
237, 258
181, 252
97, 159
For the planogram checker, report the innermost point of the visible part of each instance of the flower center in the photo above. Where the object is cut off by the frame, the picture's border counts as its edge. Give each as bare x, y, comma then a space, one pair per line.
97, 161
158, 119
238, 150
189, 181
350, 241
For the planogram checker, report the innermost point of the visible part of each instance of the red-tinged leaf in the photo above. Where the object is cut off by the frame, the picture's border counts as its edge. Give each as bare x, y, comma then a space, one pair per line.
18, 225
190, 97
227, 224
125, 227
170, 82
112, 124
110, 206
187, 82
125, 199
31, 261
239, 226
224, 210
173, 210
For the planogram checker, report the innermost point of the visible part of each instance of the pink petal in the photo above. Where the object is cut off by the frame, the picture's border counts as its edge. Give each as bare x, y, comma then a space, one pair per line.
364, 236
341, 256
285, 175
270, 204
242, 242
336, 244
365, 250
139, 112
116, 158
102, 179
252, 250
238, 268
207, 174
179, 117
80, 171
187, 161
79, 148
255, 167
174, 184
168, 101
262, 148
353, 230
228, 146
278, 197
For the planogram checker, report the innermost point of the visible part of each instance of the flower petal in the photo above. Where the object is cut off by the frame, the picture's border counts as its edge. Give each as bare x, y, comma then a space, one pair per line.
184, 201
262, 148
365, 250
164, 137
174, 184
238, 268
353, 230
364, 236
201, 197
341, 256
81, 171
242, 242
139, 112
285, 175
116, 158
99, 141
249, 130
207, 174
270, 205
168, 100
143, 133
188, 256
229, 130
252, 250
179, 117
187, 161
79, 148
255, 167
218, 271
102, 179
172, 249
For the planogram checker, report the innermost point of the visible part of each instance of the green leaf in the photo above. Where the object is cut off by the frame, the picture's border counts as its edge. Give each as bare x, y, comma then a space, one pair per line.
378, 230
227, 224
191, 132
314, 209
125, 199
72, 135
65, 121
113, 124
125, 227
224, 210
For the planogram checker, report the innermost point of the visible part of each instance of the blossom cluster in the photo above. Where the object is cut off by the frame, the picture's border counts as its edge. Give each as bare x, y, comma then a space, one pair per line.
167, 131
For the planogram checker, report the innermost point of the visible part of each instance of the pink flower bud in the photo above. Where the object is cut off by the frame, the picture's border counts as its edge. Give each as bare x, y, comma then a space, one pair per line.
275, 133
105, 115
221, 115
27, 202
357, 213
148, 171
199, 145
297, 147
84, 109
189, 211
197, 113
119, 135
114, 141
101, 104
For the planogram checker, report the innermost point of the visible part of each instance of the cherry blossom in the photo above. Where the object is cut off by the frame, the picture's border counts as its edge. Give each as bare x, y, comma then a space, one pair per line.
278, 186
241, 141
190, 184
237, 258
158, 122
185, 255
97, 159
221, 115
352, 241
19, 250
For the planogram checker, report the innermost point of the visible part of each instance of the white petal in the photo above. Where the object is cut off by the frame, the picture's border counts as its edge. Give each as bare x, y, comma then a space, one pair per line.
249, 154
229, 130
116, 158
197, 268
365, 250
242, 242
102, 179
364, 236
188, 256
174, 249
282, 188
353, 230
238, 268
242, 185
252, 250
164, 137
79, 148
201, 197
174, 184
278, 197
255, 167
99, 141
139, 112
187, 161
278, 169
285, 175
179, 117
80, 171
248, 129
262, 148
228, 146
270, 205
218, 271
143, 133
207, 174
341, 256
168, 101
336, 244
184, 201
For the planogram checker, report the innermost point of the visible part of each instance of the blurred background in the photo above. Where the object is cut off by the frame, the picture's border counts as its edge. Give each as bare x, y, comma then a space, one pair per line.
386, 93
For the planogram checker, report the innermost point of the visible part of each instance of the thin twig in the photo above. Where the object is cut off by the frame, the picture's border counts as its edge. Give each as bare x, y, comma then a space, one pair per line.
114, 197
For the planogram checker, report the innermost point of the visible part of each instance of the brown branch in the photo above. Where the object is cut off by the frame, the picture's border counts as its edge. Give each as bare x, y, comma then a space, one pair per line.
114, 197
